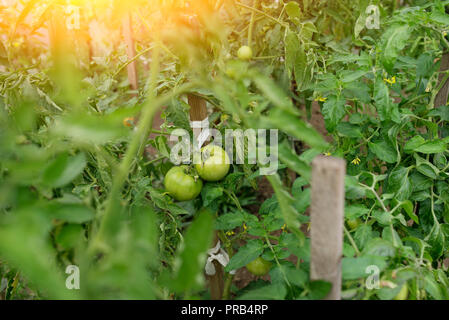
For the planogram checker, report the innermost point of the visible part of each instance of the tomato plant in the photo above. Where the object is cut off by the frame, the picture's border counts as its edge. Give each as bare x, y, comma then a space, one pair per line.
95, 169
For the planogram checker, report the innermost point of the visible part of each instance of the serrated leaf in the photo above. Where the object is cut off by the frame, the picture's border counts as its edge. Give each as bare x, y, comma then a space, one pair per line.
333, 111
247, 253
384, 151
394, 40
62, 170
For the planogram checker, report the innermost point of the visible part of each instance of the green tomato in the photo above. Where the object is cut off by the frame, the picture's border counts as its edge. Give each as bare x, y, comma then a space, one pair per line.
259, 267
180, 185
354, 223
403, 294
245, 53
214, 165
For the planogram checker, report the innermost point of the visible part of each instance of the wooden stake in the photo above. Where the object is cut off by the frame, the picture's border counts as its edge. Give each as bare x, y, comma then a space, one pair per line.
216, 283
198, 112
198, 109
131, 52
327, 212
442, 95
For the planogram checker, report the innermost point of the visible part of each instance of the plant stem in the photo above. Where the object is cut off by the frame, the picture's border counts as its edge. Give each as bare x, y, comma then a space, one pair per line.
262, 13
229, 277
109, 222
276, 259
251, 24
227, 287
351, 240
133, 59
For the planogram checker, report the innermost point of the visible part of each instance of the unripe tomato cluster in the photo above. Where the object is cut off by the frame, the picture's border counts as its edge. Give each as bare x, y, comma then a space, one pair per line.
182, 186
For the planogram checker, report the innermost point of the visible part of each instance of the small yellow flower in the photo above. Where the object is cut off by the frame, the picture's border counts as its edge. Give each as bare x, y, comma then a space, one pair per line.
320, 99
327, 154
283, 227
356, 161
16, 44
224, 117
444, 33
245, 227
230, 233
391, 80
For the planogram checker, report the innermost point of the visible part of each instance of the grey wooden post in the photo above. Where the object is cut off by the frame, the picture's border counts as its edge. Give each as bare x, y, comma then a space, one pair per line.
327, 218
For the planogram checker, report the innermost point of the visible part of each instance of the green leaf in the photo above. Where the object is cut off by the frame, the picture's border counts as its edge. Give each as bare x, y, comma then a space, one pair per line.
319, 289
286, 203
391, 235
245, 255
360, 23
302, 201
358, 90
144, 227
62, 170
384, 151
83, 128
382, 217
211, 193
352, 188
350, 130
286, 269
302, 68
379, 247
230, 221
291, 159
363, 234
351, 76
274, 93
440, 111
268, 292
426, 168
386, 109
177, 113
432, 287
436, 241
293, 10
420, 182
69, 235
413, 143
430, 147
355, 268
355, 211
440, 18
297, 128
25, 244
191, 254
292, 45
407, 205
333, 111
399, 184
425, 65
70, 212
394, 40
